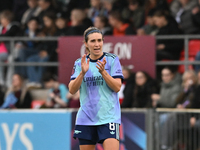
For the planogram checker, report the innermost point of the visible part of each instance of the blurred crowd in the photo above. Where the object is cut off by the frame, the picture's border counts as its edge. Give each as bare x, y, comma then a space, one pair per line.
44, 18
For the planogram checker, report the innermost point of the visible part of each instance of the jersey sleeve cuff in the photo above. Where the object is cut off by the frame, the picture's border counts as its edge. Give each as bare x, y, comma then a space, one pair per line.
121, 77
72, 79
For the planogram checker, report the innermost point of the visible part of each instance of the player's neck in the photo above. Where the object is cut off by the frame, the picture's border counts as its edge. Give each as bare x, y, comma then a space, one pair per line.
95, 57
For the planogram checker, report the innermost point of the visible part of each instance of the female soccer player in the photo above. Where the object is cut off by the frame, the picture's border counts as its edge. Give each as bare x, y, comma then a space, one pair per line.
98, 76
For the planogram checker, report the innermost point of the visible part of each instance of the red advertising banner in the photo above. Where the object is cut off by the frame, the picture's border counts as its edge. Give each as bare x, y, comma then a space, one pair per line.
137, 52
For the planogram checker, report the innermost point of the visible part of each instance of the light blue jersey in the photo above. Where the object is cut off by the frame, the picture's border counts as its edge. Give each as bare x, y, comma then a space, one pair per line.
99, 103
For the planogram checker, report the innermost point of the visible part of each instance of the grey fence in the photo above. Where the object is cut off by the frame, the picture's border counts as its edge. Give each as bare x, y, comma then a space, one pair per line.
186, 39
12, 41
177, 129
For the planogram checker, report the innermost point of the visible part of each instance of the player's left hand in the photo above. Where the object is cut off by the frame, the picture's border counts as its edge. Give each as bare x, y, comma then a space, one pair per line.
101, 65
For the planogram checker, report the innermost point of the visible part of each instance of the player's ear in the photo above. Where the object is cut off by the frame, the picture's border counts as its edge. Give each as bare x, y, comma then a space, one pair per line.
85, 44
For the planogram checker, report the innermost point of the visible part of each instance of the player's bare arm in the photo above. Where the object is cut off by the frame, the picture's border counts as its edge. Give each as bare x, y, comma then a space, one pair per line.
75, 84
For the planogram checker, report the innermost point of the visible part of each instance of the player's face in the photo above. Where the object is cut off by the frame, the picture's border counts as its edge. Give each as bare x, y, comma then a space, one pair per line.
95, 45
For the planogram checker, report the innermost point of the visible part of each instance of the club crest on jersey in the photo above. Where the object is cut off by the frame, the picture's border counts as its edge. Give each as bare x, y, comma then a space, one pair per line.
73, 70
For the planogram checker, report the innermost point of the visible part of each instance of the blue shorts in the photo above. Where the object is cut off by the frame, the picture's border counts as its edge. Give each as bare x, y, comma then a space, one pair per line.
90, 135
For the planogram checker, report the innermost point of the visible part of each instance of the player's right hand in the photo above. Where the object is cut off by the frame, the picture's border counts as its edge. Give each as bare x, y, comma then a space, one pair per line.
84, 64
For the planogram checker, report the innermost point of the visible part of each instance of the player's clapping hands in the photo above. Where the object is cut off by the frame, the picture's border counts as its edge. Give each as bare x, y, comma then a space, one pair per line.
101, 65
84, 64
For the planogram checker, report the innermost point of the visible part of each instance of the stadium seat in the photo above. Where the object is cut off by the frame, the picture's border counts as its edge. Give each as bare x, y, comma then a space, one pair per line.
169, 1
37, 104
194, 47
181, 68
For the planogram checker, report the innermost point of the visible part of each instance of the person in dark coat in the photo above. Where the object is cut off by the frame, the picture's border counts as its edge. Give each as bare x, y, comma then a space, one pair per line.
196, 15
19, 7
8, 28
101, 22
144, 87
6, 5
30, 12
18, 95
167, 49
46, 6
134, 13
2, 93
126, 91
183, 11
120, 28
79, 22
61, 24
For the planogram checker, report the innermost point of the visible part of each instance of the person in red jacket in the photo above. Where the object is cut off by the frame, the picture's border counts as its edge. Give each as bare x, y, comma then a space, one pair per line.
119, 27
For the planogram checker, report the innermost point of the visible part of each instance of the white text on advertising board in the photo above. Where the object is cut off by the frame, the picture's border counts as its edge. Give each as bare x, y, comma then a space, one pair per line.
122, 50
10, 136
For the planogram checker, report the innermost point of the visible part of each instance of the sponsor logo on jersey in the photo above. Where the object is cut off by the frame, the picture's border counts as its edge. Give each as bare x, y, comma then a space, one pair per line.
119, 71
73, 70
112, 132
77, 131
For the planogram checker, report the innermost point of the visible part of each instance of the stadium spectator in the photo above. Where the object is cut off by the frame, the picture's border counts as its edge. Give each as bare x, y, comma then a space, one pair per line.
101, 22
190, 84
145, 86
149, 28
30, 12
119, 5
170, 89
197, 58
32, 30
108, 5
119, 27
79, 22
49, 28
74, 100
2, 94
23, 50
45, 6
198, 77
96, 9
76, 4
188, 98
126, 91
134, 14
175, 6
156, 5
8, 28
19, 7
6, 5
167, 49
18, 95
57, 92
61, 24
196, 14
46, 50
184, 17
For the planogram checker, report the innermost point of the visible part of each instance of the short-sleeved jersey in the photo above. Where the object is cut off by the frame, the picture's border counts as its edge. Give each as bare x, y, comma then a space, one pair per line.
99, 103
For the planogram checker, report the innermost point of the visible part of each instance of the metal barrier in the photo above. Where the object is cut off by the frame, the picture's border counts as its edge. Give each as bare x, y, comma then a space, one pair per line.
12, 41
141, 129
41, 129
177, 129
186, 39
